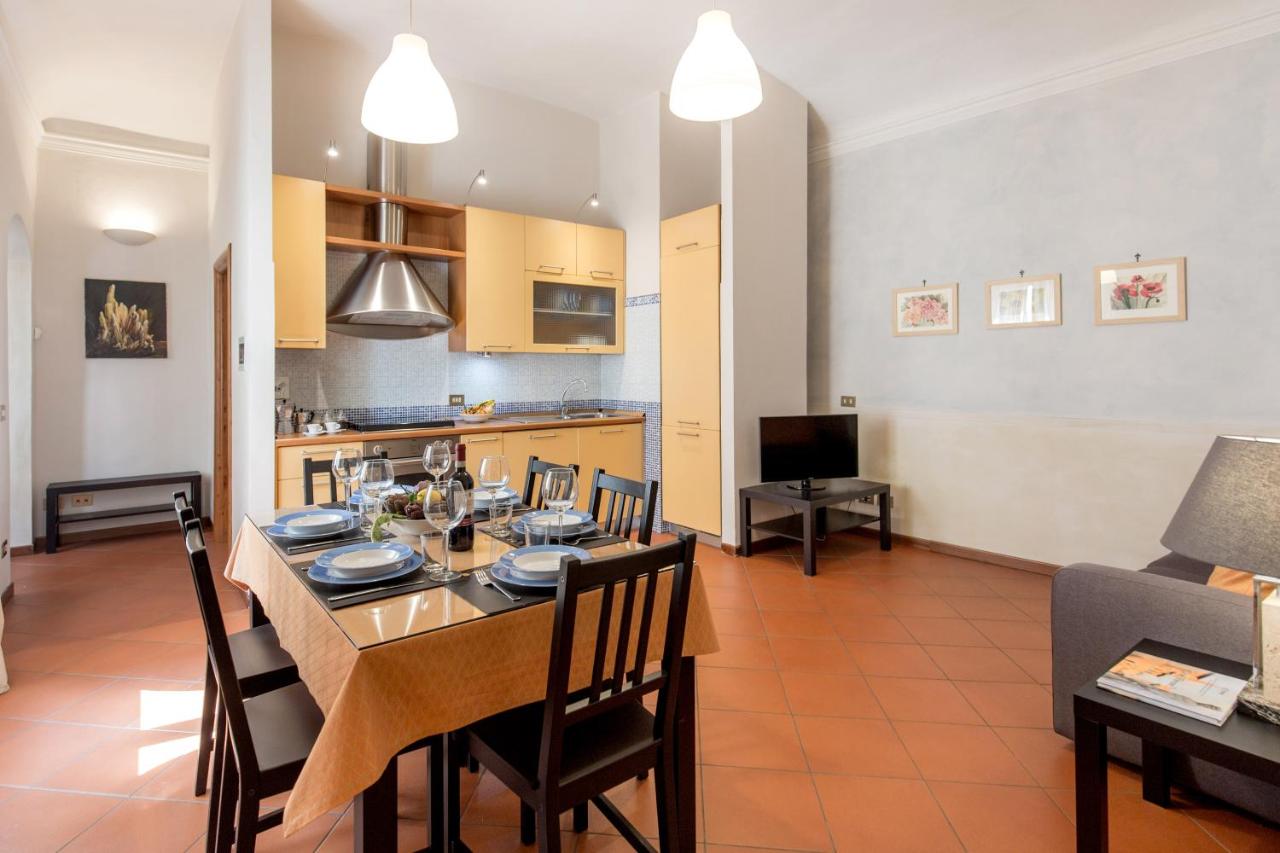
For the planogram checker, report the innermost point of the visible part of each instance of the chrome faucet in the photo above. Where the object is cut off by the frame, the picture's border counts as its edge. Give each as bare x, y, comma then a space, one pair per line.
564, 404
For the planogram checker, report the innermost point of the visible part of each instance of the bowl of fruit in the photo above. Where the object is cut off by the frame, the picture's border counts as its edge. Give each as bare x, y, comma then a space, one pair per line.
479, 413
403, 514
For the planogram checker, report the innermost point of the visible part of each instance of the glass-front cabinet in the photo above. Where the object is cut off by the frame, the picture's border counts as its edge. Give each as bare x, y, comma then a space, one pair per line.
573, 314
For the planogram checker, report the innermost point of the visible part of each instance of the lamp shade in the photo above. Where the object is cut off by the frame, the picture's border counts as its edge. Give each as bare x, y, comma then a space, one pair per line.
407, 100
1231, 514
716, 78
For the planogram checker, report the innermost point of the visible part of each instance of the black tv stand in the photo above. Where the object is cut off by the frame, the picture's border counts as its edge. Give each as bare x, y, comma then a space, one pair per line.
806, 485
816, 513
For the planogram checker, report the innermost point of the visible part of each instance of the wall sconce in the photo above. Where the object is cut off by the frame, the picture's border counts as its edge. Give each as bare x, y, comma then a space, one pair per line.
479, 180
593, 200
130, 227
129, 236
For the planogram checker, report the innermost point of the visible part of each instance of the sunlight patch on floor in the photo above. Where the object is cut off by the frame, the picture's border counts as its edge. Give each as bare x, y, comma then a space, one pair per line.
160, 709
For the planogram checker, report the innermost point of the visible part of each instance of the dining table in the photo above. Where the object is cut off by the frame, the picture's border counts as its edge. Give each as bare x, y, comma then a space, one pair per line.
393, 667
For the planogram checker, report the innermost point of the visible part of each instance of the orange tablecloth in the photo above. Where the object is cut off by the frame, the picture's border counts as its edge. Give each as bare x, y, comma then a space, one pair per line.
389, 673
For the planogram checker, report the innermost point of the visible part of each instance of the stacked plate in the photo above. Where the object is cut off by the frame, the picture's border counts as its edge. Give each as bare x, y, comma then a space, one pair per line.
536, 568
313, 524
576, 522
481, 497
364, 562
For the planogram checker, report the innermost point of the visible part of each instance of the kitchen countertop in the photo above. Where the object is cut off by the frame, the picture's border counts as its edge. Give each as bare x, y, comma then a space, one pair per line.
499, 423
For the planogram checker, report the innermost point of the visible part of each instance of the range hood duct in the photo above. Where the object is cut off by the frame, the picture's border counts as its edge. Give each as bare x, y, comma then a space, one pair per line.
386, 297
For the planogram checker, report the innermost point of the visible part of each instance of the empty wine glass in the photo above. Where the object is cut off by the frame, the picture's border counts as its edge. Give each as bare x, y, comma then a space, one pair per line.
560, 491
494, 473
437, 457
346, 467
443, 506
375, 476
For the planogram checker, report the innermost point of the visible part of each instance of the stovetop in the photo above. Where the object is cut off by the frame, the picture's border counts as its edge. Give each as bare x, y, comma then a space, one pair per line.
406, 425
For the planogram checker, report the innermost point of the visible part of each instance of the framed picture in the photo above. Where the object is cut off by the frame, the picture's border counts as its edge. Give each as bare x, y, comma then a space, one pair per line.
125, 319
1141, 292
1017, 303
926, 310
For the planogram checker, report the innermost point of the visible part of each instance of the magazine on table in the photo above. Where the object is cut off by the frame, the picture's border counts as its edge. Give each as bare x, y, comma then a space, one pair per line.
1188, 690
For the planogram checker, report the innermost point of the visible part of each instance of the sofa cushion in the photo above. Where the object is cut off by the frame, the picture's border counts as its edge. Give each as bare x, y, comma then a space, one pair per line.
1181, 568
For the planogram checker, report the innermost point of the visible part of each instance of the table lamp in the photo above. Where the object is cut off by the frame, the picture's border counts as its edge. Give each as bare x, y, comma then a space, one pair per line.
1231, 517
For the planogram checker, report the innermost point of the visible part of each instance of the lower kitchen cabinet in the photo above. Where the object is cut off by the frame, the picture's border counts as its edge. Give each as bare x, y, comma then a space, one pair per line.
691, 478
482, 444
289, 472
559, 445
618, 449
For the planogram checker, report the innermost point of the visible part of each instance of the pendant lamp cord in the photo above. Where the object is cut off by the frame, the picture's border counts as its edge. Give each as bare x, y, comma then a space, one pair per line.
410, 15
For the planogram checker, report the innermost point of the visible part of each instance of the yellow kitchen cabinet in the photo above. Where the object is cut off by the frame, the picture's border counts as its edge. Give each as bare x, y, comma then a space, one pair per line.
688, 232
617, 448
690, 311
298, 235
691, 478
602, 252
559, 445
289, 472
480, 445
486, 290
550, 246
574, 314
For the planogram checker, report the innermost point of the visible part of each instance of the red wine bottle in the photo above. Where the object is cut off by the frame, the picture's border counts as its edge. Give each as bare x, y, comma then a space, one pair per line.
463, 537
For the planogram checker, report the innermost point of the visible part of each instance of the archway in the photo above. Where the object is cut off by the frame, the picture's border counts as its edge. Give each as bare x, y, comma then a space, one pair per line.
20, 352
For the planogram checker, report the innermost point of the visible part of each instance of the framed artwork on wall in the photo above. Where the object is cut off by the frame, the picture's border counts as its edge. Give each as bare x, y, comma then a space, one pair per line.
1018, 303
926, 310
125, 319
1141, 292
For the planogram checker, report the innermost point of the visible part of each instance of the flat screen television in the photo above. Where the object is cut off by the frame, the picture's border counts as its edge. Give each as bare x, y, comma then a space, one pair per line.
808, 447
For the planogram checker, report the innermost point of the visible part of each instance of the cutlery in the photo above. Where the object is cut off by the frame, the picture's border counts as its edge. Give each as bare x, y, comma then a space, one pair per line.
590, 538
482, 577
346, 595
316, 546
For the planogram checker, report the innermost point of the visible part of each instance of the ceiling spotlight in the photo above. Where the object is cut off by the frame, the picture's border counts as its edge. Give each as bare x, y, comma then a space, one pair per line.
716, 78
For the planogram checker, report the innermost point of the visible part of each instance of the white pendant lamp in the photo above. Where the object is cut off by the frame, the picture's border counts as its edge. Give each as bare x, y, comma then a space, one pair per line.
407, 99
716, 78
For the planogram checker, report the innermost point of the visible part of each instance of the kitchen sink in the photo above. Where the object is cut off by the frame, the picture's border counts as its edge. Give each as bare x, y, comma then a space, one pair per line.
551, 419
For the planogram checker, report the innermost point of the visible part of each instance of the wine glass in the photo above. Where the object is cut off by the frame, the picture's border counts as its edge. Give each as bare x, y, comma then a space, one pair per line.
560, 491
375, 476
494, 473
437, 457
346, 467
443, 506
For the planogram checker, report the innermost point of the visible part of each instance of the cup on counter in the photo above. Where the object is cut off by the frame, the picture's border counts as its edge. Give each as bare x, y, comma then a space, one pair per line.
332, 426
313, 429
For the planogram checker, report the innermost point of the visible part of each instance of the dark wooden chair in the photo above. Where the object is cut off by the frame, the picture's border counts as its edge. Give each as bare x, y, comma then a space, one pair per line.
311, 467
574, 746
259, 661
628, 500
533, 480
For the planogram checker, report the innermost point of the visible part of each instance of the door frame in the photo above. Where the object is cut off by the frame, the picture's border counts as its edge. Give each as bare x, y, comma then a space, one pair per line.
222, 354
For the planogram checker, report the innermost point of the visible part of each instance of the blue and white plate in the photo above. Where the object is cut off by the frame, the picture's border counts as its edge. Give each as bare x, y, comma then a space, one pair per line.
313, 524
538, 563
322, 575
364, 559
576, 522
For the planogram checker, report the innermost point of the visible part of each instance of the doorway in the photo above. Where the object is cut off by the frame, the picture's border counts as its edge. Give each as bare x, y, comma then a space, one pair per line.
20, 351
222, 396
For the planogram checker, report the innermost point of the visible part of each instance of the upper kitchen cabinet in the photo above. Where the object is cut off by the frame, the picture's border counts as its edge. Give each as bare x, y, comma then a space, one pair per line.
573, 314
550, 246
602, 252
486, 291
691, 231
298, 247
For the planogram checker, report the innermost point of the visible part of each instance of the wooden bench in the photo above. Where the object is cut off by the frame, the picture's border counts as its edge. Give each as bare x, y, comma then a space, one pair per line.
54, 517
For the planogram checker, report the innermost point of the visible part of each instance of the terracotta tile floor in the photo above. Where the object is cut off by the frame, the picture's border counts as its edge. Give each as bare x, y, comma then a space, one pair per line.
895, 702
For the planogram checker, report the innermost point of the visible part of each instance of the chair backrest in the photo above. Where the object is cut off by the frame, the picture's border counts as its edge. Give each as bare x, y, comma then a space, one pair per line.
219, 650
533, 480
623, 679
183, 510
311, 467
627, 500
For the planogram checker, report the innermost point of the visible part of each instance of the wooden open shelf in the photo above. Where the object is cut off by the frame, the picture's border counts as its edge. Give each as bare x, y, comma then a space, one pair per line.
434, 229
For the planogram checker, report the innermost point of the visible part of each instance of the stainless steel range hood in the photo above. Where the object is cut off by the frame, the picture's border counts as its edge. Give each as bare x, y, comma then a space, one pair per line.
386, 297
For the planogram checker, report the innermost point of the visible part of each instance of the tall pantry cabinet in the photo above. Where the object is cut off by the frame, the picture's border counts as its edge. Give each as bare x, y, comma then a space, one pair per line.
690, 307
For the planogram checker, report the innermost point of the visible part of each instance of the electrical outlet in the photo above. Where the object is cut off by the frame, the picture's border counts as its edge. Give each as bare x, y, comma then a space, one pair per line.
457, 399
82, 500
848, 401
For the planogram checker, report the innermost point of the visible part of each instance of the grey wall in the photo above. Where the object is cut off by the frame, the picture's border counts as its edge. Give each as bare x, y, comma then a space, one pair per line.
1183, 159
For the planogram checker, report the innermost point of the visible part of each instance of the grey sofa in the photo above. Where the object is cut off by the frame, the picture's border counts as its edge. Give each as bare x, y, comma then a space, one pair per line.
1100, 612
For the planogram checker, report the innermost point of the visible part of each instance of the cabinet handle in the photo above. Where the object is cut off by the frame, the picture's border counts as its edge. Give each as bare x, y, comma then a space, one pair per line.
690, 434
687, 245
544, 435
607, 431
690, 423
579, 347
482, 440
497, 346
297, 340
602, 273
559, 268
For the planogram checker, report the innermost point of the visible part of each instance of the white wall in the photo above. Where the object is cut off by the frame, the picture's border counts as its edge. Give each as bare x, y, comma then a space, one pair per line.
19, 132
763, 322
105, 417
240, 215
1073, 442
690, 163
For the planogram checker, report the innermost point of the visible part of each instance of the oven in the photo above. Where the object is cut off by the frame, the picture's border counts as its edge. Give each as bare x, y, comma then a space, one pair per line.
405, 455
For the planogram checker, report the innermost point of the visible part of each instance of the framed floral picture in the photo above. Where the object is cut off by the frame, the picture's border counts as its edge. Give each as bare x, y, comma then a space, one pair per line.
925, 310
1141, 292
1014, 303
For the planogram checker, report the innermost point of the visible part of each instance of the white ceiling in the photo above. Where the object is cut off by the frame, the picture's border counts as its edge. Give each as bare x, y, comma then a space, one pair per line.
152, 65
